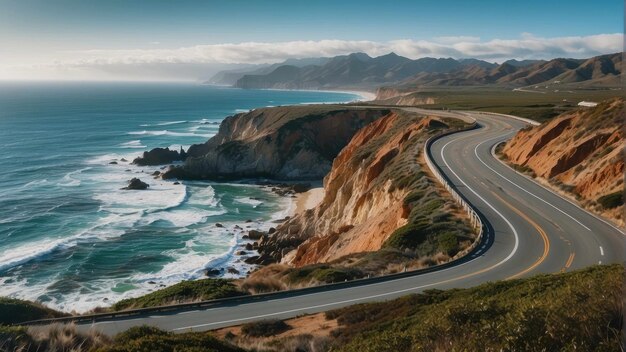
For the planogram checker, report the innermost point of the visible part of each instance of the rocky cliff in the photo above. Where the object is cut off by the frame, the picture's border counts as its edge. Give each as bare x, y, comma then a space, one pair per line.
285, 143
376, 195
393, 96
580, 152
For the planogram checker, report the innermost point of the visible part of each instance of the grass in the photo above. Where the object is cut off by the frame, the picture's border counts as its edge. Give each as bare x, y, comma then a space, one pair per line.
560, 312
16, 311
54, 338
186, 291
541, 106
574, 311
144, 338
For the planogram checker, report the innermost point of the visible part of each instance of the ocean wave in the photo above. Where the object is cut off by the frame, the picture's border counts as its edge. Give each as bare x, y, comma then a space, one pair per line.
249, 201
204, 196
69, 180
35, 183
132, 144
169, 133
182, 218
163, 123
107, 158
25, 253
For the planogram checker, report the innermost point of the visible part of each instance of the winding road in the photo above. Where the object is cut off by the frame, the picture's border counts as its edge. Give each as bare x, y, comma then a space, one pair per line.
529, 230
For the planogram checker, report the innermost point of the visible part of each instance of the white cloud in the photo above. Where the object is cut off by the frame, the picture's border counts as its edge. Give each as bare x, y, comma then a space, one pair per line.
527, 46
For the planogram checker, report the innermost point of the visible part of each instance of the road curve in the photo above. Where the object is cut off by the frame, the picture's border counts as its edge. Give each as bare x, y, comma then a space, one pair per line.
529, 230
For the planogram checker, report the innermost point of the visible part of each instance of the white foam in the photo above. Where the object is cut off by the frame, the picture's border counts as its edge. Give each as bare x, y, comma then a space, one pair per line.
204, 196
133, 144
69, 180
32, 250
182, 218
163, 123
170, 133
247, 200
36, 183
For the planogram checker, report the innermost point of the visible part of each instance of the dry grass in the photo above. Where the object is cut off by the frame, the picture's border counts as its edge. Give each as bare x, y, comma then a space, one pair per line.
55, 338
309, 333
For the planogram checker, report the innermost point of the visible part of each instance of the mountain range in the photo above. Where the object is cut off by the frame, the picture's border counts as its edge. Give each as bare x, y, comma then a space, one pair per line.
360, 71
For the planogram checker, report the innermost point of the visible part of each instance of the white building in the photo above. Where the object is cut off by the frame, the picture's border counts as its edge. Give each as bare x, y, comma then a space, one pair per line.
588, 104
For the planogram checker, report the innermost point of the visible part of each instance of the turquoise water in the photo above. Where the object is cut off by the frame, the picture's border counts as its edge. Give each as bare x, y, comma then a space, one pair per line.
69, 236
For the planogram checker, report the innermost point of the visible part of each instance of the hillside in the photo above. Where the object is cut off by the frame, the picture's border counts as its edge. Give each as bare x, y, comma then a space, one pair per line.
377, 195
579, 153
580, 310
599, 71
574, 311
356, 70
392, 72
286, 143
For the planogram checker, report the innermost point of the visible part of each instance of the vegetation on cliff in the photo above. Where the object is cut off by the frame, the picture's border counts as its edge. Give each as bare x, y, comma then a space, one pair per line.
381, 213
579, 153
579, 310
16, 310
186, 291
560, 312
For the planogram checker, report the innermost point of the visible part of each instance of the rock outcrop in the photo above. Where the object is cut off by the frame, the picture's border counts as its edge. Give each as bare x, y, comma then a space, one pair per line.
160, 156
136, 184
283, 143
580, 152
376, 187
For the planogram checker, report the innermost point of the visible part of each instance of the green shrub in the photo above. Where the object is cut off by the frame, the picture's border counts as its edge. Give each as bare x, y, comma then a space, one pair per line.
448, 243
264, 328
186, 291
612, 200
16, 310
149, 339
574, 311
331, 275
14, 338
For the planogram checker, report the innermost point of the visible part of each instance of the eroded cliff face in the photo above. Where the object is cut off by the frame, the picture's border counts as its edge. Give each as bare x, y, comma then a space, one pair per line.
366, 195
286, 143
579, 151
392, 96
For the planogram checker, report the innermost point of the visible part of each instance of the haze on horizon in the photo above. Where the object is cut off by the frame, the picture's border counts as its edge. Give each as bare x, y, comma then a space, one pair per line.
191, 40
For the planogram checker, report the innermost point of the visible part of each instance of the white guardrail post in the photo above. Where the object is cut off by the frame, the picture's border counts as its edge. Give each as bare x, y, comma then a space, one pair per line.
475, 220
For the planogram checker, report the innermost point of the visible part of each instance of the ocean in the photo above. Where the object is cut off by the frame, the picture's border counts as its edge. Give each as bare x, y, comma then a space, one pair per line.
70, 237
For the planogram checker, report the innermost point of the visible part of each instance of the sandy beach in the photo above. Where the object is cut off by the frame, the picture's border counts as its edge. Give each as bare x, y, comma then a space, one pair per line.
309, 199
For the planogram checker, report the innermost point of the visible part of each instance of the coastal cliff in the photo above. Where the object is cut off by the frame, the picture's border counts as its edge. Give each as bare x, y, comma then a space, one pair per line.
580, 152
377, 195
283, 143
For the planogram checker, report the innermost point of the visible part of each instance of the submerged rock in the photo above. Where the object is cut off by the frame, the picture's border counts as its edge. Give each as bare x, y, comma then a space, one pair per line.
212, 272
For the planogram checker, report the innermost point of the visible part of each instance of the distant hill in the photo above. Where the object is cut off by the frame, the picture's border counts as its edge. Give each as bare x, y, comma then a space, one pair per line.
357, 70
230, 77
400, 74
599, 71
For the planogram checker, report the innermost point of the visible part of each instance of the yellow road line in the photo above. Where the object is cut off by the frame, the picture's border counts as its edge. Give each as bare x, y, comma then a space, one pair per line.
544, 236
570, 260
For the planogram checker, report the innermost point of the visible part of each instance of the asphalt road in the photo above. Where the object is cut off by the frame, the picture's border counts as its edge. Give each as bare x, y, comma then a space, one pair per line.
530, 230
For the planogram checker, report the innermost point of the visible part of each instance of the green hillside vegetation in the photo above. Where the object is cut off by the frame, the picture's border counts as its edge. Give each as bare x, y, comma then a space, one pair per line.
16, 311
186, 291
576, 311
144, 338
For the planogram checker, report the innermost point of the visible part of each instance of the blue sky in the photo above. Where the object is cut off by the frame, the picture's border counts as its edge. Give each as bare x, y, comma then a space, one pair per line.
44, 31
